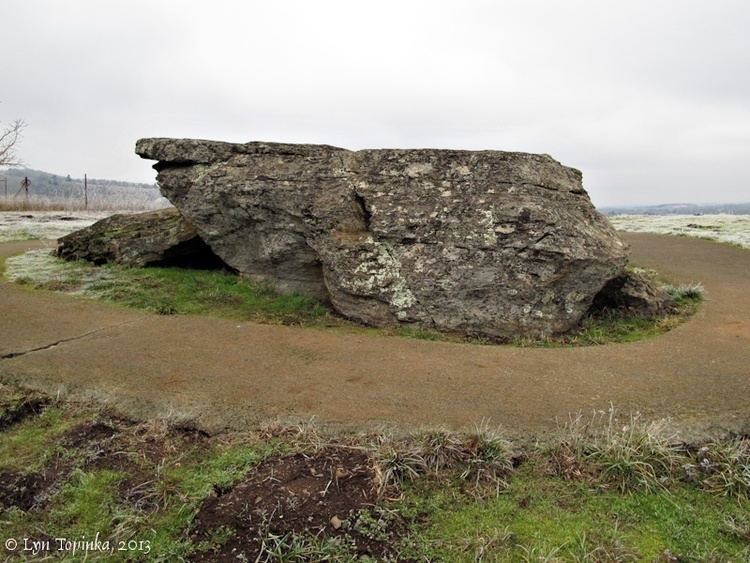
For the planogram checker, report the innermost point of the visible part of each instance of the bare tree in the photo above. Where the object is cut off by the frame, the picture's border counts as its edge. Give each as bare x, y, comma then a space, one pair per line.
9, 137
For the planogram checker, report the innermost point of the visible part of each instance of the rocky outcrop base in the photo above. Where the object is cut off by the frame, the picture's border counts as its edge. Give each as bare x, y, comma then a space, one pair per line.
635, 294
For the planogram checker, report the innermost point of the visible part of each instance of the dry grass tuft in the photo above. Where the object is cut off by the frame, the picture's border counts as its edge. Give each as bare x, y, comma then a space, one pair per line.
724, 468
482, 458
629, 454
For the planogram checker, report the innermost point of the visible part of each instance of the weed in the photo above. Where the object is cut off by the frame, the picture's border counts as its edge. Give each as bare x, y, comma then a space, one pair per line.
486, 546
686, 292
585, 550
725, 468
396, 463
488, 459
301, 548
374, 524
630, 455
286, 547
441, 450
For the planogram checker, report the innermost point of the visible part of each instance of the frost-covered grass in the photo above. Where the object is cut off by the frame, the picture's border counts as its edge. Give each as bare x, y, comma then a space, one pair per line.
100, 199
731, 229
39, 268
42, 225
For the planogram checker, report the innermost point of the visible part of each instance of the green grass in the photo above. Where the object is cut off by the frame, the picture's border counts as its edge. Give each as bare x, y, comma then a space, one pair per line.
30, 444
166, 290
542, 514
87, 502
86, 505
614, 327
180, 291
90, 500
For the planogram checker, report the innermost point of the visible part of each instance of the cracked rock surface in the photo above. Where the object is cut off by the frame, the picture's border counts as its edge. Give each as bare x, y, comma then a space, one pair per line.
488, 243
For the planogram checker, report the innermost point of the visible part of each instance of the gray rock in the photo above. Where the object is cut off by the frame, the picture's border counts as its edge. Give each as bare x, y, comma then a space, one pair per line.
636, 294
160, 237
489, 243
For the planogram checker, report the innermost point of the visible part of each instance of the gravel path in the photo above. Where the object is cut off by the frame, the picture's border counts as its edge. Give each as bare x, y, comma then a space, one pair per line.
221, 374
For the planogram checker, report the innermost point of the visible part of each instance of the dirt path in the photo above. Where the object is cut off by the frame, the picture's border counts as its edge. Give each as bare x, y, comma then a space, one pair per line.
225, 374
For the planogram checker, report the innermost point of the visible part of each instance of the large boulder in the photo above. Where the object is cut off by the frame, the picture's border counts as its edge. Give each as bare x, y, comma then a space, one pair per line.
160, 237
489, 243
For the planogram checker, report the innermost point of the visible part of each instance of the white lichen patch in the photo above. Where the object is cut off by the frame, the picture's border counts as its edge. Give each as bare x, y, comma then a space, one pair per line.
43, 225
487, 227
418, 168
733, 229
572, 301
380, 273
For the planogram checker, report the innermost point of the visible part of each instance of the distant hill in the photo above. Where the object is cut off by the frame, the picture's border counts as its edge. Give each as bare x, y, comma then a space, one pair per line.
109, 194
679, 209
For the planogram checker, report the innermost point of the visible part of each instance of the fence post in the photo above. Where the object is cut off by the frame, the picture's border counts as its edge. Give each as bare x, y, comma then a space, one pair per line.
85, 191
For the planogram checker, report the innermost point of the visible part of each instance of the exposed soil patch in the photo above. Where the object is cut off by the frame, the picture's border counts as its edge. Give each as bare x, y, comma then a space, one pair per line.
20, 490
29, 490
109, 442
87, 434
14, 413
325, 494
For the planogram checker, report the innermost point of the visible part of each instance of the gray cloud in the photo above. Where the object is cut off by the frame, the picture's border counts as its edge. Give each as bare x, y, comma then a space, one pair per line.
651, 100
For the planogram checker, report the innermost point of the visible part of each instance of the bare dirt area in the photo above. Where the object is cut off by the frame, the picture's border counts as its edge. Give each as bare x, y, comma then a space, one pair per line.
327, 493
220, 374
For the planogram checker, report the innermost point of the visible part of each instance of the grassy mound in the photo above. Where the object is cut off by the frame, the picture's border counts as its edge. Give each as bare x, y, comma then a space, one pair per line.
171, 291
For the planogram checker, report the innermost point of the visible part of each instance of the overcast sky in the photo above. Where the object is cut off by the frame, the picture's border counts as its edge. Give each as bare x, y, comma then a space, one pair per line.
650, 99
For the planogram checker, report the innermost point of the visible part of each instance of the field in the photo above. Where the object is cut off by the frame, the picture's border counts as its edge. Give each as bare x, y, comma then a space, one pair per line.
212, 466
40, 225
730, 229
50, 192
605, 489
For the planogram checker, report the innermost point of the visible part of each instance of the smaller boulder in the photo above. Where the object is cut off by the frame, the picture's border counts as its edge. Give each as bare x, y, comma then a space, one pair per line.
154, 238
634, 293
